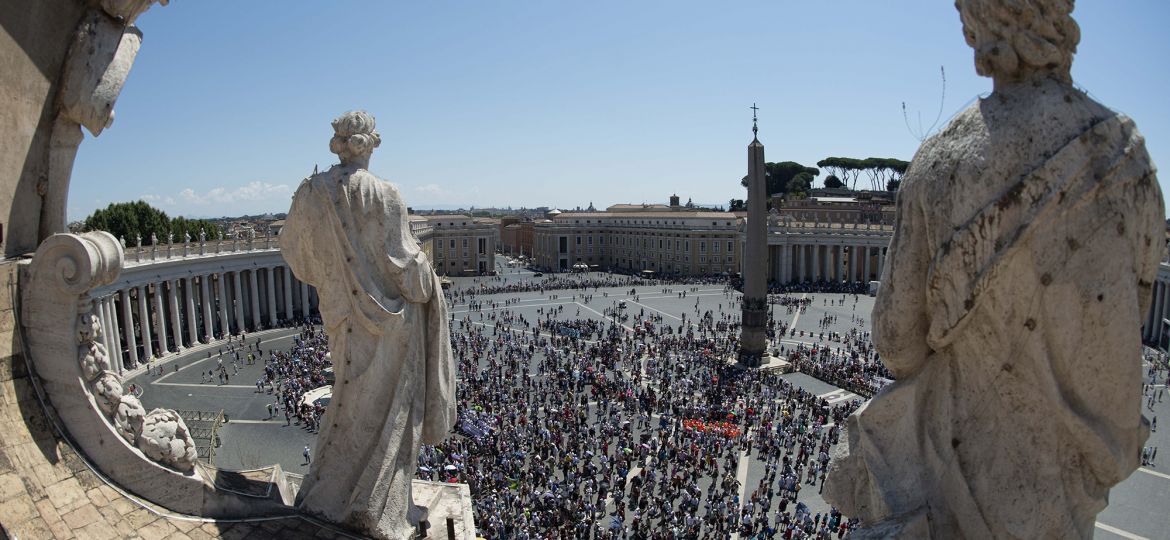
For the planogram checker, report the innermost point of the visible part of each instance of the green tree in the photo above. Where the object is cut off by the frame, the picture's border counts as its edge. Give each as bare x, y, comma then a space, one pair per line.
787, 177
846, 169
191, 227
881, 170
800, 183
139, 219
894, 184
832, 182
736, 205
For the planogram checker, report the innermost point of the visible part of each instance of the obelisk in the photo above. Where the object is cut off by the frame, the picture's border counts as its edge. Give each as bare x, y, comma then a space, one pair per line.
753, 339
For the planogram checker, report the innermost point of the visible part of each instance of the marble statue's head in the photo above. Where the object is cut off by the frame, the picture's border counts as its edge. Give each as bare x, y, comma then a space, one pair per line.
1020, 40
354, 138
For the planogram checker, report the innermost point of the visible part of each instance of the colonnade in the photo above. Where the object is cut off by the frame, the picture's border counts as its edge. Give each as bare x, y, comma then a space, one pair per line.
1153, 330
825, 262
143, 321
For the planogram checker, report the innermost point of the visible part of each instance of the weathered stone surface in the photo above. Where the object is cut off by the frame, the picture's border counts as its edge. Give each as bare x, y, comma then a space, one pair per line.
347, 235
1029, 233
129, 418
82, 516
165, 439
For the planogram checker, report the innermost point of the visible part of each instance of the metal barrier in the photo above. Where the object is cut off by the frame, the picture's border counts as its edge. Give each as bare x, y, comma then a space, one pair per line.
204, 428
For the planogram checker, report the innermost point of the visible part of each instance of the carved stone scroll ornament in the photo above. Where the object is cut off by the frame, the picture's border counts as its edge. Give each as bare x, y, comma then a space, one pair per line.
151, 454
64, 270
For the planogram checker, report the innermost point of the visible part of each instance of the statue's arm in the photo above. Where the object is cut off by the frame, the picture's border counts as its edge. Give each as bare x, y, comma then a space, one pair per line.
900, 321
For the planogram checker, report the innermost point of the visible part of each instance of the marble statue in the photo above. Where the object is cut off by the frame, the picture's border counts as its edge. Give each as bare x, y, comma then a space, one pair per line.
1026, 243
202, 235
347, 235
186, 237
153, 239
138, 240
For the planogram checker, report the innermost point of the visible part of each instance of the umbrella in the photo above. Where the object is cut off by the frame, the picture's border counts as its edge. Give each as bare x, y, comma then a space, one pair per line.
450, 468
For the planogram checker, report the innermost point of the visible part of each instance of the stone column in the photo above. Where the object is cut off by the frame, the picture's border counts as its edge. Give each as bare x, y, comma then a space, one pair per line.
856, 260
830, 268
192, 329
814, 263
1159, 309
115, 334
1150, 328
205, 294
799, 262
103, 310
224, 323
304, 300
238, 294
1165, 306
823, 254
128, 330
832, 263
865, 258
782, 256
881, 260
254, 293
839, 263
270, 285
176, 322
160, 318
818, 258
286, 279
144, 325
1148, 331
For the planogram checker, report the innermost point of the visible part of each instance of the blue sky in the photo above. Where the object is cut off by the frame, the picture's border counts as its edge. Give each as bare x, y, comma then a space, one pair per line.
529, 103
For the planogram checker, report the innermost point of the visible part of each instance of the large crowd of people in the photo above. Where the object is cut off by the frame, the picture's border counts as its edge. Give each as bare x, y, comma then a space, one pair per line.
630, 422
636, 427
628, 427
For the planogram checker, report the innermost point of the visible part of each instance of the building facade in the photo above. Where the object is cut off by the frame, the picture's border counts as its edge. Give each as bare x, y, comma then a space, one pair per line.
667, 242
462, 245
516, 236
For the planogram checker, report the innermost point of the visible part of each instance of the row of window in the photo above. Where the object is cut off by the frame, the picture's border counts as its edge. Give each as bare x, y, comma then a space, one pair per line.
683, 245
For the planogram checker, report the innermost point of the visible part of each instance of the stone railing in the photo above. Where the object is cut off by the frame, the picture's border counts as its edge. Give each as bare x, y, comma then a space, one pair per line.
150, 453
136, 255
163, 252
831, 228
140, 450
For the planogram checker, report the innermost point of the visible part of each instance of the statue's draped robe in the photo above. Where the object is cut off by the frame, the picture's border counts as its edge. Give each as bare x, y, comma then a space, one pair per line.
1011, 303
347, 234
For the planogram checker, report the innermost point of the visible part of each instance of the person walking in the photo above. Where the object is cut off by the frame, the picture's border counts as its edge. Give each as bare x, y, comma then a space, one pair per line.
308, 459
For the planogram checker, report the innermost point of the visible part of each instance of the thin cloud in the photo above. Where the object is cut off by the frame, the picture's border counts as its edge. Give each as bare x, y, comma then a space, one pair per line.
252, 191
158, 199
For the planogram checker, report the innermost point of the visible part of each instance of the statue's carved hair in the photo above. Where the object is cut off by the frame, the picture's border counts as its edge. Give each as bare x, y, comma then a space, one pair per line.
1016, 40
354, 134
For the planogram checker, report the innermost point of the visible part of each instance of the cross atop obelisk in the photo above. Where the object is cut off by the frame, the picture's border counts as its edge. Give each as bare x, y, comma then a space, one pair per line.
755, 128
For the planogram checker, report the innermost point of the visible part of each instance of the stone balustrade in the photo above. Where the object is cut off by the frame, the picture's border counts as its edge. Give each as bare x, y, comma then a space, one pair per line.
136, 255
